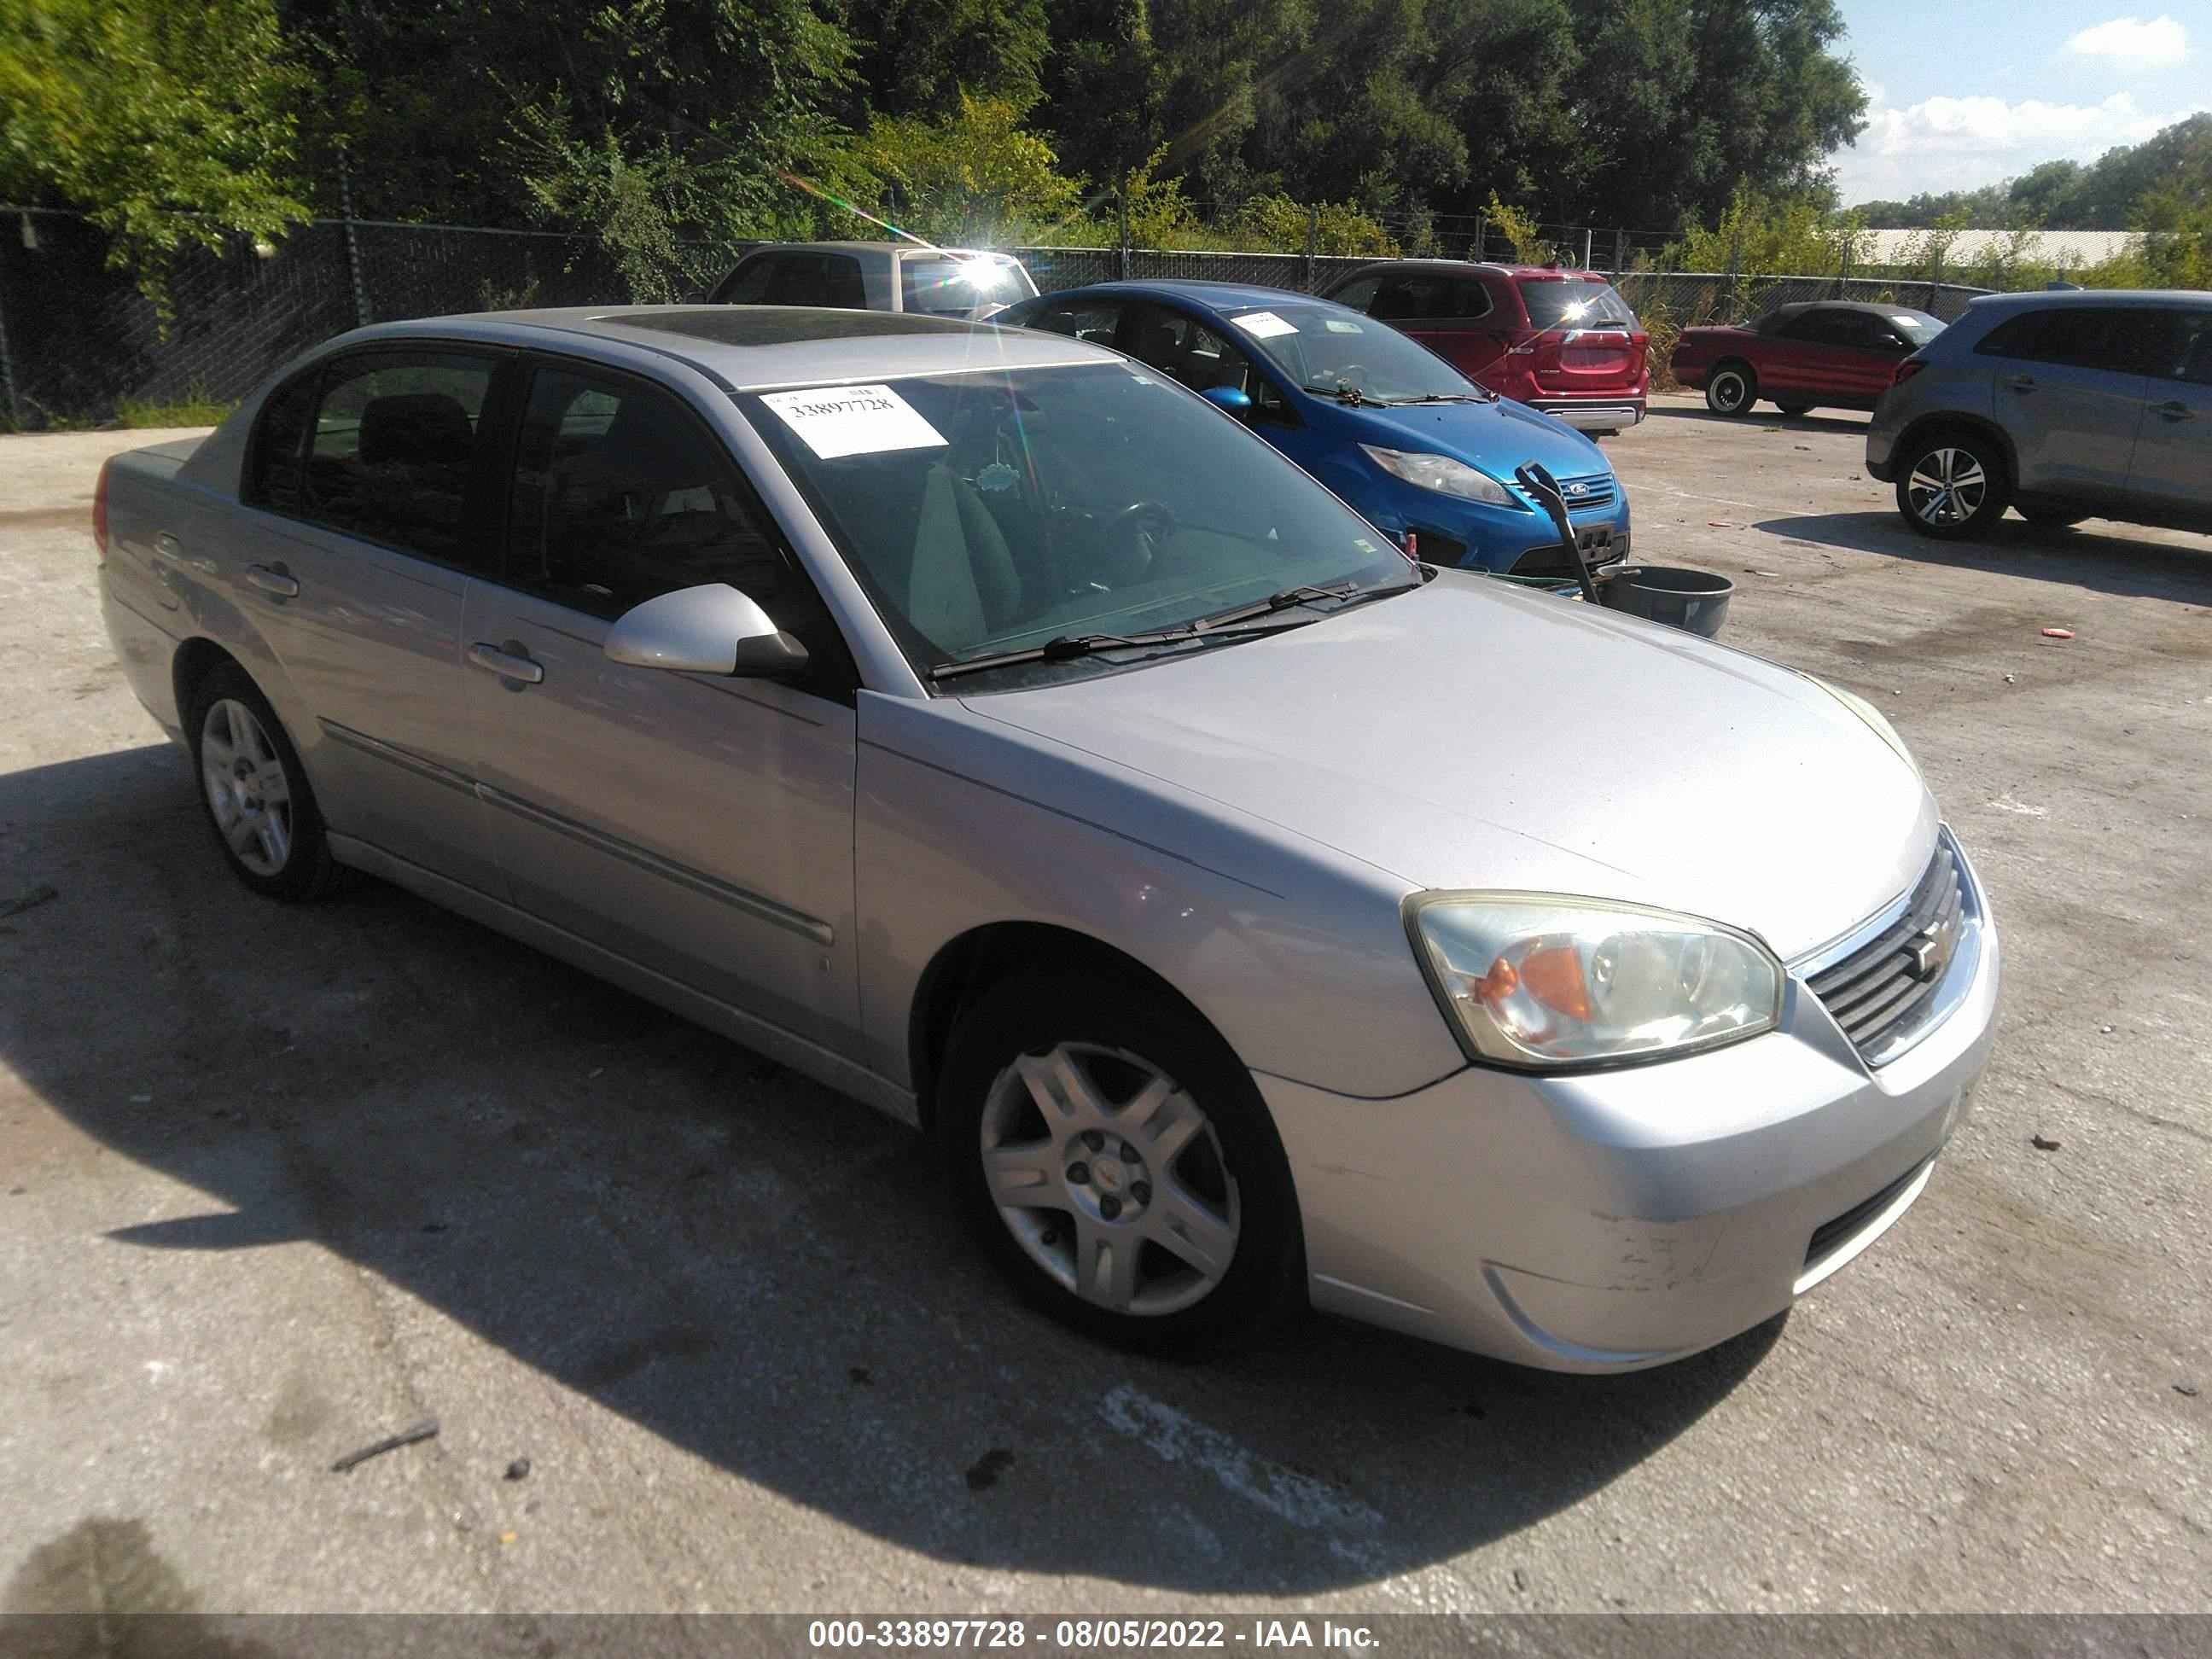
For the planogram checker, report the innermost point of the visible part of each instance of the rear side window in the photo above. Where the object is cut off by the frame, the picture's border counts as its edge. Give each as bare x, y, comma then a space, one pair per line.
1425, 296
2194, 359
947, 285
1081, 322
1551, 304
819, 279
2122, 339
393, 448
748, 285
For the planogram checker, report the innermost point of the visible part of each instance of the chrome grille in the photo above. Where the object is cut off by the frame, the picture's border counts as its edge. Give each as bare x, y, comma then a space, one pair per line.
1597, 486
1880, 989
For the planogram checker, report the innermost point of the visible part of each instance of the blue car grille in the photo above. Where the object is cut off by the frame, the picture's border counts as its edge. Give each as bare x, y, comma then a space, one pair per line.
1596, 489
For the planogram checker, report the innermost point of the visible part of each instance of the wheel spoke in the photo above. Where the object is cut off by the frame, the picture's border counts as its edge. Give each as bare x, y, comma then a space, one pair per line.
1182, 1224
1024, 1178
1106, 1262
276, 835
1160, 1120
216, 752
1060, 1089
242, 729
241, 834
276, 787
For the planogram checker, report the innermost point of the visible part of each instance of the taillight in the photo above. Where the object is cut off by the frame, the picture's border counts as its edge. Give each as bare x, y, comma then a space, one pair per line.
1906, 370
99, 511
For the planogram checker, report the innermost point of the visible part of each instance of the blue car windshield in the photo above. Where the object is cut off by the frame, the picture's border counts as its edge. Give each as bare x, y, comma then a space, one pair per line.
1334, 351
999, 510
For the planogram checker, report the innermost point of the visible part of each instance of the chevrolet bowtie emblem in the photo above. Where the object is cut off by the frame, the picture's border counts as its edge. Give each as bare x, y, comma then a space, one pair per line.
1932, 949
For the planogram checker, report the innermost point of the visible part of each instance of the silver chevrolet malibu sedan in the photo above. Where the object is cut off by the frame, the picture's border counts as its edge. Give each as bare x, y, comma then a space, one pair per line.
999, 733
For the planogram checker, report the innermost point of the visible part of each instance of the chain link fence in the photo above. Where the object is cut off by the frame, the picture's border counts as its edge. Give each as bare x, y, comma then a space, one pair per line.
82, 343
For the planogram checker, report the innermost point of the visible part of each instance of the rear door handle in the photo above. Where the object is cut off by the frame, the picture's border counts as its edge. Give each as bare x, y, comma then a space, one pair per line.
271, 580
508, 665
2023, 383
2174, 410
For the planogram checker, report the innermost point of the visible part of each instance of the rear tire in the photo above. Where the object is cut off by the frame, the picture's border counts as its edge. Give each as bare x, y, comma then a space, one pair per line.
1793, 411
2051, 518
1116, 1164
1952, 486
1731, 389
255, 793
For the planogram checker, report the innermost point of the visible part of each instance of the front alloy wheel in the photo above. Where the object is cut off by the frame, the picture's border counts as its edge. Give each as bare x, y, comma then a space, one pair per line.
1115, 1160
1110, 1178
1731, 390
1951, 488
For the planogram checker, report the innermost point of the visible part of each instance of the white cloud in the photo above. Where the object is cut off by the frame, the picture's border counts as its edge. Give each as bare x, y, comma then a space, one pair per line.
2160, 44
1962, 144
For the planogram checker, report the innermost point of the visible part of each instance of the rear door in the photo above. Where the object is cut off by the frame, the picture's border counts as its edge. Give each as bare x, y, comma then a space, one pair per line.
2172, 474
698, 825
2069, 391
371, 479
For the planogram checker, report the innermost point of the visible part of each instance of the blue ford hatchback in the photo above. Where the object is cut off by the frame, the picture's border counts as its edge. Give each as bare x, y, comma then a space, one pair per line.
1414, 445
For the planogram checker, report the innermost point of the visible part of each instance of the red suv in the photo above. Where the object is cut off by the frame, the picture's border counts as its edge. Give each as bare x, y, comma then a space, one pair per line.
1560, 341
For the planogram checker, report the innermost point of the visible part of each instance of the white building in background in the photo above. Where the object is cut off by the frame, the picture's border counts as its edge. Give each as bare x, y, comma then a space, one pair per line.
1970, 247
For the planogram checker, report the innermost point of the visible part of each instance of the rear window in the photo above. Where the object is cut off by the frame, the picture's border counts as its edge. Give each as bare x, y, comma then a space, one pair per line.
1552, 304
954, 285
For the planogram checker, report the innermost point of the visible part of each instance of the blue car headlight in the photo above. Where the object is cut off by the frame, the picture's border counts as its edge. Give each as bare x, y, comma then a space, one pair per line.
1443, 474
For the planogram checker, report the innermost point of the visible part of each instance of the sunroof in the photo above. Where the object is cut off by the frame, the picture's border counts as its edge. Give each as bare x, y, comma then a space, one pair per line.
768, 325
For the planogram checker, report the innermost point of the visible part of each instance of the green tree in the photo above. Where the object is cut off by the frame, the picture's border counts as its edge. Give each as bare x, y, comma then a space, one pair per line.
977, 178
167, 121
915, 57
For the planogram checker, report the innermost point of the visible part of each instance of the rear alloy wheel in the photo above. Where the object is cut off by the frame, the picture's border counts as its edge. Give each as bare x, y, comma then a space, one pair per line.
256, 793
1731, 390
1952, 486
1118, 1165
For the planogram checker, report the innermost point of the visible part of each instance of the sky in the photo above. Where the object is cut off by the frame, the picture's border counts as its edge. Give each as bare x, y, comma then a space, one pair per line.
1964, 93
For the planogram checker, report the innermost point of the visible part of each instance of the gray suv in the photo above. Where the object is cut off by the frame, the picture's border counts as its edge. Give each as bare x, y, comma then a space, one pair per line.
2066, 405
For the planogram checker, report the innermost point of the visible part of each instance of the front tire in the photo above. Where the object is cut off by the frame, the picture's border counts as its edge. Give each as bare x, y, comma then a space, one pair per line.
1732, 389
1116, 1164
1793, 411
255, 792
1952, 486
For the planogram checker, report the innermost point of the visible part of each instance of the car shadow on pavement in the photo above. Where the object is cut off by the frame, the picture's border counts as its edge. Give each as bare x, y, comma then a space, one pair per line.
762, 1273
1816, 421
2120, 562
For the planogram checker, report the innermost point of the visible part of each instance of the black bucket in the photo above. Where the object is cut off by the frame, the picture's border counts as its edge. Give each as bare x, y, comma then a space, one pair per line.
1696, 600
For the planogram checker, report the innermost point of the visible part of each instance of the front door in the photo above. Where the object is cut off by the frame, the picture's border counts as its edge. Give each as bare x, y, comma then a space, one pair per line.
698, 825
2173, 475
368, 482
2069, 391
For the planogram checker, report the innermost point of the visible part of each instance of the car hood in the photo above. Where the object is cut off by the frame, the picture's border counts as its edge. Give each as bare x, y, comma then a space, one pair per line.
1471, 735
1497, 437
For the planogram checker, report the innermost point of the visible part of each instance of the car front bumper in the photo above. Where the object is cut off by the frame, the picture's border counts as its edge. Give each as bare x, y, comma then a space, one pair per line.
1618, 1219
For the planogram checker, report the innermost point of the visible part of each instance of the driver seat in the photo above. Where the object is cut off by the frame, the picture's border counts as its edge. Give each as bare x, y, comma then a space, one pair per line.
963, 586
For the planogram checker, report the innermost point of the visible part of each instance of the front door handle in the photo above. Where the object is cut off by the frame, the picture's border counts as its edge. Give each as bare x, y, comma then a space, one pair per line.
2023, 383
272, 580
2173, 410
509, 664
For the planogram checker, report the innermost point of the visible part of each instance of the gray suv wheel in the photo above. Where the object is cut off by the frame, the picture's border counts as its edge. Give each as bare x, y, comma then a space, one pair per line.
1952, 485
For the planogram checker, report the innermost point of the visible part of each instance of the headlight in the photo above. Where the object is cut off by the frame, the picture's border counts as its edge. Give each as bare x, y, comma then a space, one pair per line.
1441, 472
1872, 715
1540, 981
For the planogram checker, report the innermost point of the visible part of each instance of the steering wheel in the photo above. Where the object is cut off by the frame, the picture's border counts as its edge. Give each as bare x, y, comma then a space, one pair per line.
1155, 518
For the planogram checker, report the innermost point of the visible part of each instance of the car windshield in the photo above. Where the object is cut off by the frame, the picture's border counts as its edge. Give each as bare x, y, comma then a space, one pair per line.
1574, 303
997, 511
1337, 352
945, 283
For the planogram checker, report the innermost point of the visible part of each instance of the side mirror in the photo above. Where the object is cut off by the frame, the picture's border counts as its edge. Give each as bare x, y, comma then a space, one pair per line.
1234, 400
711, 629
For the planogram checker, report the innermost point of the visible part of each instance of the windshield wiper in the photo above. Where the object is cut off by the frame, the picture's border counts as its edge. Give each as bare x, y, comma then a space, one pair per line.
1291, 596
1064, 648
1343, 394
1450, 397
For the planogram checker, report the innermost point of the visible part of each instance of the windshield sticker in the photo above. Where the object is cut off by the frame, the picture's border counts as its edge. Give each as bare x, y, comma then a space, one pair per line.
1264, 325
853, 420
1337, 325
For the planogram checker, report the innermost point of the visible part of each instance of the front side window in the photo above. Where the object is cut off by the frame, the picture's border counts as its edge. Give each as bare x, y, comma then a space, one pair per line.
997, 511
1095, 320
393, 448
619, 495
819, 279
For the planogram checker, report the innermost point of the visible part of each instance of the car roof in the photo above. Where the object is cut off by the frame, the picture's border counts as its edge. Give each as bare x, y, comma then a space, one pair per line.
758, 348
877, 247
1547, 273
1221, 297
1798, 307
2177, 298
